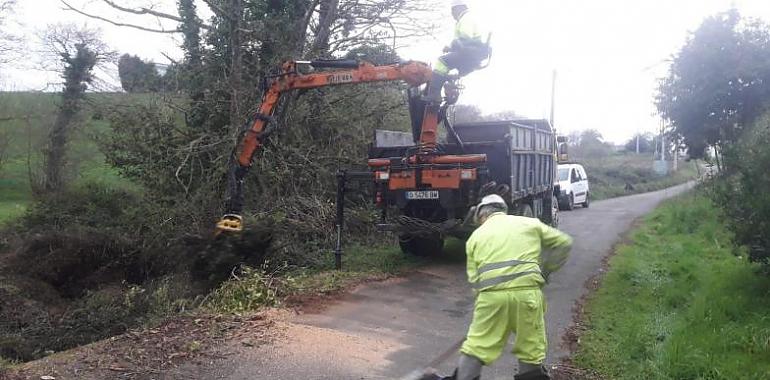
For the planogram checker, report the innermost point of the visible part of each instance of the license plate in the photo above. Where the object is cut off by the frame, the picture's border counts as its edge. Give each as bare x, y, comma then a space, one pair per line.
428, 194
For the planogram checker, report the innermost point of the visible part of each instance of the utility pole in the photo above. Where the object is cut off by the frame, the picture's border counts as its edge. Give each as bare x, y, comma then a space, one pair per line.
662, 141
637, 143
553, 98
676, 154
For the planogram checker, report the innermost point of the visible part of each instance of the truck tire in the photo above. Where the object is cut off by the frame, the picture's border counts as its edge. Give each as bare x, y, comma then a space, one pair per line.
525, 210
421, 245
551, 219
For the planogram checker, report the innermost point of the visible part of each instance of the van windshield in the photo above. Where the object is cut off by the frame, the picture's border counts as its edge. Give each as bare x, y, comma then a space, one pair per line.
563, 174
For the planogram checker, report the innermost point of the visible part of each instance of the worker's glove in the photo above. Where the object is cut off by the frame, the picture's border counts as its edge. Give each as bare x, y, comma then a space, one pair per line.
470, 217
553, 259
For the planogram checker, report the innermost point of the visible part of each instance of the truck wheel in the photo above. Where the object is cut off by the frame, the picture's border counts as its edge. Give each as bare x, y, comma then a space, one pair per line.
588, 200
525, 210
421, 245
553, 221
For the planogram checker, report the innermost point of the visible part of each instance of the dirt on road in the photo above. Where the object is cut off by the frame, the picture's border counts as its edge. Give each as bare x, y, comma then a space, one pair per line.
384, 330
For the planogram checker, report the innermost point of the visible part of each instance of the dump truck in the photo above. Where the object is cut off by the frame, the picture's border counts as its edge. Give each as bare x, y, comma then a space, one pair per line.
426, 202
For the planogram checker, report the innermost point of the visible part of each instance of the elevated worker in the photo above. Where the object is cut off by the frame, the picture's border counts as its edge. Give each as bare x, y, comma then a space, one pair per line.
469, 48
507, 268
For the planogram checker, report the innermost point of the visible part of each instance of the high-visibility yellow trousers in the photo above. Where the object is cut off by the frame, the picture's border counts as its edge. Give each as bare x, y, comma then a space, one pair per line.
499, 313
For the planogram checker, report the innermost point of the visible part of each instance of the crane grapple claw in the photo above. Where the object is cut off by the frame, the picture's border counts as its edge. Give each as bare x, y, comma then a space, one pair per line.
230, 223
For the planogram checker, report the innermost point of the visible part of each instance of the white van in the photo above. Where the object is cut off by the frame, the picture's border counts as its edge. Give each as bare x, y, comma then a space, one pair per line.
573, 186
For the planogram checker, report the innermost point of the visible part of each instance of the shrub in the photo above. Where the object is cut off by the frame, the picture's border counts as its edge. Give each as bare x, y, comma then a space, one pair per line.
248, 290
742, 191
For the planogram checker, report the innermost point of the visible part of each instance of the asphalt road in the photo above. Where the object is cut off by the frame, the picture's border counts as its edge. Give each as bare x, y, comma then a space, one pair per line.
386, 330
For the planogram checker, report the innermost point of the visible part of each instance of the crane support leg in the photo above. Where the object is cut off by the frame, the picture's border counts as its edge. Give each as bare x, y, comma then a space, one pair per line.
340, 220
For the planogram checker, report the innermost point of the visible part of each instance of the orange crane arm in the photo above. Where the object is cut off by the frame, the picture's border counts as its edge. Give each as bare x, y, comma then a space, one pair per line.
413, 73
289, 78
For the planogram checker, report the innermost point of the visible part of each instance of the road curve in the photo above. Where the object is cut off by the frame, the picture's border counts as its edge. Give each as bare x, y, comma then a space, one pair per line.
385, 330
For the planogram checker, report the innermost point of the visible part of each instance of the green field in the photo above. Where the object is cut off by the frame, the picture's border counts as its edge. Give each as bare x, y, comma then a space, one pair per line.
25, 119
679, 302
609, 176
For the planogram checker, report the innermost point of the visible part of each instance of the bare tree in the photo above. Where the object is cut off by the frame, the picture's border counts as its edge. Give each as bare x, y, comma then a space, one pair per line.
147, 10
9, 43
78, 51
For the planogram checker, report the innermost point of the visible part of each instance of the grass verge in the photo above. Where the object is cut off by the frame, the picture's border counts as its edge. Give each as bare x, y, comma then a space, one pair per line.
679, 302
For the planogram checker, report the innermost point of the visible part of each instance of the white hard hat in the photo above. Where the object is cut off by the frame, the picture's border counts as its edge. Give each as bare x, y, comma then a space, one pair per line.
457, 3
490, 200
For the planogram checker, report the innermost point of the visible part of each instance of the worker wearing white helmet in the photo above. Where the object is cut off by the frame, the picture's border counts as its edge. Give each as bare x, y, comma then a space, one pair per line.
468, 49
507, 270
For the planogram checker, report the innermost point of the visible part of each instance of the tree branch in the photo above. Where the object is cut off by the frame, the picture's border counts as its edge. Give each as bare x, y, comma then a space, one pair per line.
71, 8
217, 9
143, 11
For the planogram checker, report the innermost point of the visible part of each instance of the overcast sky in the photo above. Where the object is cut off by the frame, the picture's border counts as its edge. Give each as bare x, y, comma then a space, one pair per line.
608, 54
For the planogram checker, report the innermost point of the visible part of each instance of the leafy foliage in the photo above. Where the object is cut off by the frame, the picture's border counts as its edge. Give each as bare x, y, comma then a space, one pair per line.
589, 144
715, 95
646, 143
137, 75
743, 195
248, 290
109, 248
718, 81
464, 113
78, 51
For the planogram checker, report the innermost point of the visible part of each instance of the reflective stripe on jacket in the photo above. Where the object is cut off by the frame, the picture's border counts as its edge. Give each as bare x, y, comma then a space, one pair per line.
505, 252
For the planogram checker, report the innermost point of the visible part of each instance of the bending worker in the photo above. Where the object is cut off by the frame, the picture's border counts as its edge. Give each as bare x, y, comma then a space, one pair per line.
507, 269
466, 52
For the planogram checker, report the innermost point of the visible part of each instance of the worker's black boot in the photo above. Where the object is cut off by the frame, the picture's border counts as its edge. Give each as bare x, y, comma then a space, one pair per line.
454, 377
434, 88
437, 377
433, 376
468, 368
539, 373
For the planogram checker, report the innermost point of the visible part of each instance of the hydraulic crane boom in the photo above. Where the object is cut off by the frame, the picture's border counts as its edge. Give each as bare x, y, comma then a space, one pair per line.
290, 78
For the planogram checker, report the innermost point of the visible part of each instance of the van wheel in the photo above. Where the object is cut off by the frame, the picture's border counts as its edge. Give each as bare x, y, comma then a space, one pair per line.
571, 202
421, 245
588, 200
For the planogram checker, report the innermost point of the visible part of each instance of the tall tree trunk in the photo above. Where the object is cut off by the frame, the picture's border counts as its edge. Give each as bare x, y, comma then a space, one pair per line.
236, 63
77, 74
327, 16
57, 147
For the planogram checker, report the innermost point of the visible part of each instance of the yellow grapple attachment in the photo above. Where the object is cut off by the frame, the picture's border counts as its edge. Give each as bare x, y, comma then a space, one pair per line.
230, 223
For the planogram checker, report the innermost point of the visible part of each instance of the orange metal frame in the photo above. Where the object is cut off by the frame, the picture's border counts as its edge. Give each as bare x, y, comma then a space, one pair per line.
433, 178
413, 73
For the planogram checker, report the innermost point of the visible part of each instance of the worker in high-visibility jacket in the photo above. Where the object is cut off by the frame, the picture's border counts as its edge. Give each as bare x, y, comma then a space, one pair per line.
468, 49
508, 267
